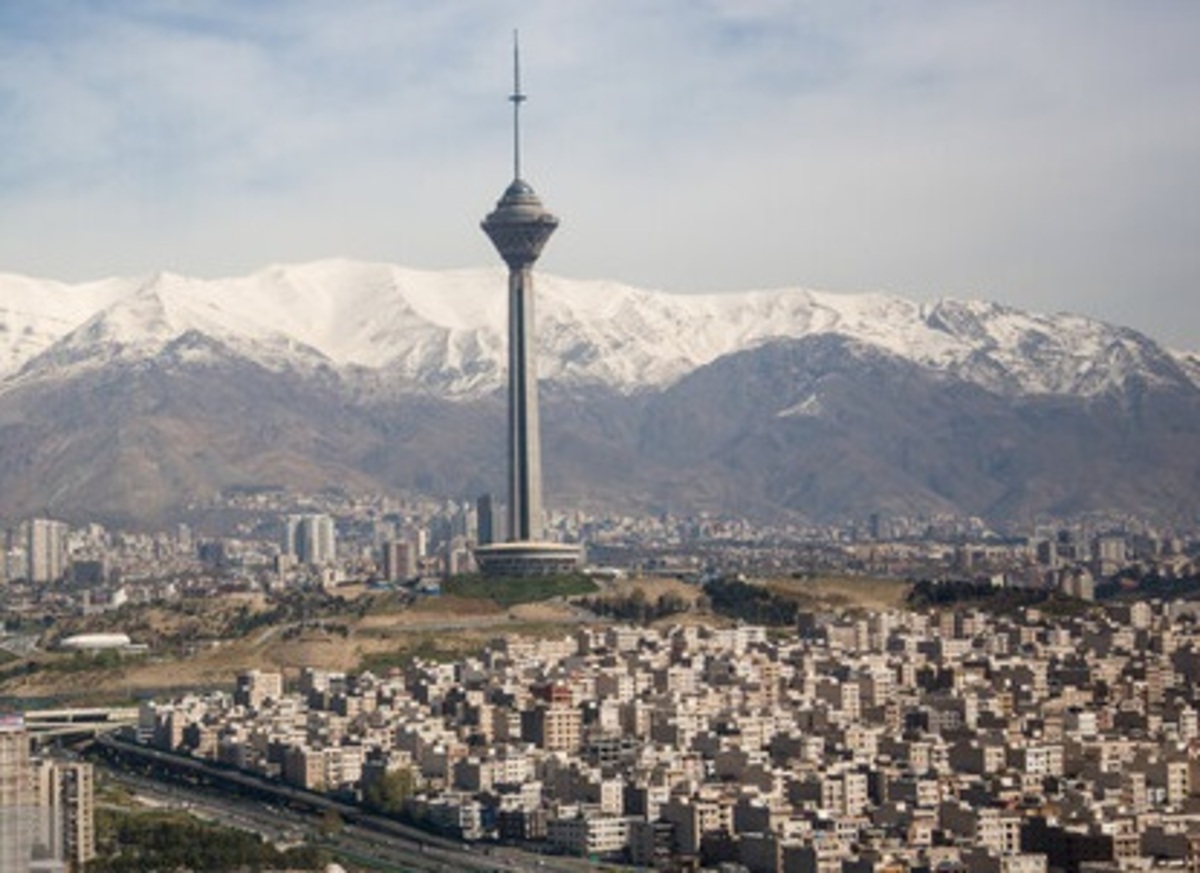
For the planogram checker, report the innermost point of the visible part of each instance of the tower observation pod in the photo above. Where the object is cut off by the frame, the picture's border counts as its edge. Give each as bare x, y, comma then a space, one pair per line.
519, 228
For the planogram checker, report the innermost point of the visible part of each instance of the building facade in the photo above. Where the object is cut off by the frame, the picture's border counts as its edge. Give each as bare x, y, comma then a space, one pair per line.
311, 539
46, 807
46, 550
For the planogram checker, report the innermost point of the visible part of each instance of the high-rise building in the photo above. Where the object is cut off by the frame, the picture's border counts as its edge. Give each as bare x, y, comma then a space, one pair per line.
64, 795
16, 796
519, 227
311, 538
399, 561
484, 535
47, 816
46, 550
291, 535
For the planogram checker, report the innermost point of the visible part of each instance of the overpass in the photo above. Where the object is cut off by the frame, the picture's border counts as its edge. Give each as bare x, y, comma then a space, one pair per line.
49, 724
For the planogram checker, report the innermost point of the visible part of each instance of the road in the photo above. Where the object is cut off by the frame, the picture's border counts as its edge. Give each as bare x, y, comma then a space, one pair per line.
286, 826
366, 840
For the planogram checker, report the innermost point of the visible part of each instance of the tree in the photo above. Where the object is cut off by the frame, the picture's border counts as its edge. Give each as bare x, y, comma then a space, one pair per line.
388, 793
670, 603
331, 823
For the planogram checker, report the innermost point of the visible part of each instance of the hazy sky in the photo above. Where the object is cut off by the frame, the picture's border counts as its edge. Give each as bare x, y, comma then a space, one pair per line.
1042, 154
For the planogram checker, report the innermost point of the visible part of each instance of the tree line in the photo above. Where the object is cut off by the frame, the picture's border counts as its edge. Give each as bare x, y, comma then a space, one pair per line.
133, 842
636, 606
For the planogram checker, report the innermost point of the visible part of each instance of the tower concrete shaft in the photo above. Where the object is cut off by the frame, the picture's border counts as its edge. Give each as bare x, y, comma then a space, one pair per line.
524, 440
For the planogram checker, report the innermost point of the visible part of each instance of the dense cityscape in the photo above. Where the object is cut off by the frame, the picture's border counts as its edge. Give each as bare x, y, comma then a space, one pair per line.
956, 731
322, 665
889, 741
277, 541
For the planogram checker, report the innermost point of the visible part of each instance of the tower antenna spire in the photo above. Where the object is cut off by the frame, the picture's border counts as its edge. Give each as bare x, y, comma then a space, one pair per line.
517, 98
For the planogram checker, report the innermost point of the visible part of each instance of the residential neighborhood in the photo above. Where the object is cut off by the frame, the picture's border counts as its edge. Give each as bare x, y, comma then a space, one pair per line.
886, 741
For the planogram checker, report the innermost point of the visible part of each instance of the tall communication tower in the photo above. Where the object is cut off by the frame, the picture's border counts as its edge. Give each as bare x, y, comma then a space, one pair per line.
519, 227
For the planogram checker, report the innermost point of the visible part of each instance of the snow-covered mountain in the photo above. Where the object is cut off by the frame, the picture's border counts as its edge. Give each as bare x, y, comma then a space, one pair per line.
127, 399
389, 330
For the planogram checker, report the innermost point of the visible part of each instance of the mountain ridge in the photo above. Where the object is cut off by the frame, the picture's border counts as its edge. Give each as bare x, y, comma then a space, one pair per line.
129, 399
411, 331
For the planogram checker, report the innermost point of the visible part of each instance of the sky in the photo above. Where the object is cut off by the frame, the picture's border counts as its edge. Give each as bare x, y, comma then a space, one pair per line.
1045, 155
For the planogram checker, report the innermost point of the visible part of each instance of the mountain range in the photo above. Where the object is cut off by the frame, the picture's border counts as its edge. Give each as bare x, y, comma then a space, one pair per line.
126, 399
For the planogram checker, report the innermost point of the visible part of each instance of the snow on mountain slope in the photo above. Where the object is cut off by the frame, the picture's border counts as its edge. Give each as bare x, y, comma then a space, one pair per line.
1190, 362
143, 322
34, 313
639, 338
388, 329
1012, 351
632, 338
342, 314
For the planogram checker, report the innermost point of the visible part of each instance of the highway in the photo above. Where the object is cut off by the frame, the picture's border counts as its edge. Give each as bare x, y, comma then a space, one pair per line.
286, 826
285, 814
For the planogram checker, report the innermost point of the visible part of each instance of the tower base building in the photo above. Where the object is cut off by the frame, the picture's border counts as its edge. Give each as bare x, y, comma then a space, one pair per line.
528, 559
